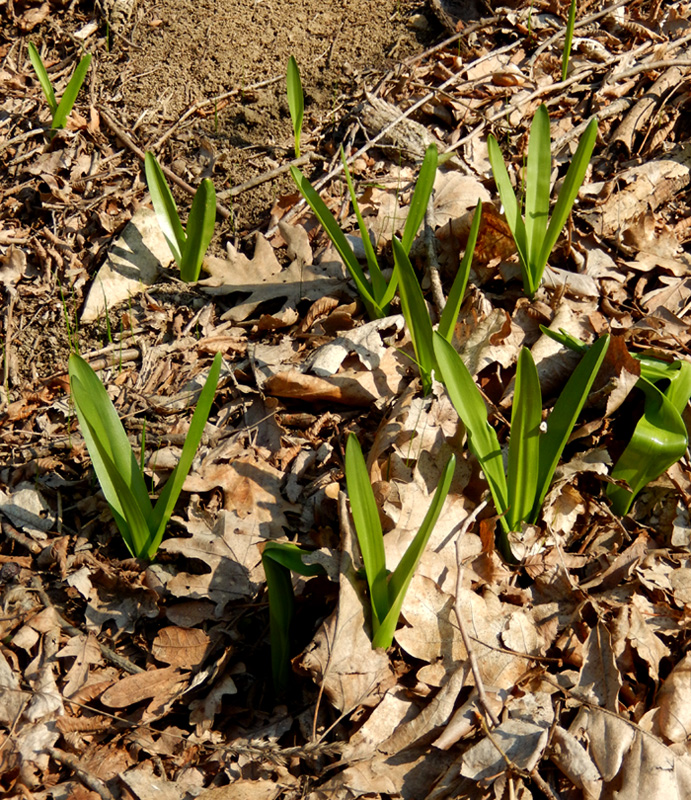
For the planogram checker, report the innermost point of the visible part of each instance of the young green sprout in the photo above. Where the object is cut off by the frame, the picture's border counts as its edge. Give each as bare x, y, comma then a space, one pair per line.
533, 237
375, 292
60, 111
296, 100
387, 591
279, 559
188, 246
141, 524
534, 453
568, 40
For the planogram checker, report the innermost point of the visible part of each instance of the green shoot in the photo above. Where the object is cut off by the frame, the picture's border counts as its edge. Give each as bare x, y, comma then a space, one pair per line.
60, 111
296, 100
660, 438
533, 455
141, 525
533, 237
414, 307
568, 41
376, 294
279, 559
187, 246
387, 591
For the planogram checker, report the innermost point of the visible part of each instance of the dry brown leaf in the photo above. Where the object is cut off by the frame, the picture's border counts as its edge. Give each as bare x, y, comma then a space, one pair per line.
133, 262
633, 764
244, 790
229, 552
264, 280
599, 680
432, 634
155, 683
349, 387
251, 494
180, 647
85, 651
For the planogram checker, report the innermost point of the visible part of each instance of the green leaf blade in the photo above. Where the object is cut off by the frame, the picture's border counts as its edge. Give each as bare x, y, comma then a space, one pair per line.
71, 91
659, 440
403, 574
111, 455
423, 191
296, 100
200, 231
367, 528
43, 77
567, 196
449, 316
339, 241
512, 209
468, 402
279, 587
165, 504
537, 183
564, 415
524, 442
377, 280
416, 314
165, 208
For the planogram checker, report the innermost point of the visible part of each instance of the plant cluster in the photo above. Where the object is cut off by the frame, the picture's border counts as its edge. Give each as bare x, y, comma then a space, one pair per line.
518, 484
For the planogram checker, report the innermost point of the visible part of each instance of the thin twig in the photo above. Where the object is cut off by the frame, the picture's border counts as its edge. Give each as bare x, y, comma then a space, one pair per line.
77, 767
267, 176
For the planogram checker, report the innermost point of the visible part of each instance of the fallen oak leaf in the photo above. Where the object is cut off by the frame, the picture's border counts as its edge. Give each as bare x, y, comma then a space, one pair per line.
133, 689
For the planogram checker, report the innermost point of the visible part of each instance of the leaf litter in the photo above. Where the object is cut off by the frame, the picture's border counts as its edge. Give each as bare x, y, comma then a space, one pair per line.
121, 678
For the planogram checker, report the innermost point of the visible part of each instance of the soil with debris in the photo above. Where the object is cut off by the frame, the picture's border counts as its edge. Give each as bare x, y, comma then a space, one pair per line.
563, 676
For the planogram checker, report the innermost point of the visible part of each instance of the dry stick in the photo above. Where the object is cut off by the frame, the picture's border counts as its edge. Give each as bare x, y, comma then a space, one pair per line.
432, 261
651, 65
77, 767
127, 141
467, 643
266, 176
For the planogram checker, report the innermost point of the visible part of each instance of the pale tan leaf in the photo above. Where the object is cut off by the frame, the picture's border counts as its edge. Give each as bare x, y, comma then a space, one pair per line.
264, 280
674, 701
132, 263
599, 679
634, 764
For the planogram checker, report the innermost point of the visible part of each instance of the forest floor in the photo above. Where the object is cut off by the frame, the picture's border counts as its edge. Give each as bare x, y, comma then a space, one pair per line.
124, 679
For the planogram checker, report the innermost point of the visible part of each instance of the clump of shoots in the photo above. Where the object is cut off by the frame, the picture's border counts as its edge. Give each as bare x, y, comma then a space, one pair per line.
60, 111
387, 591
141, 524
533, 237
534, 448
189, 245
375, 291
